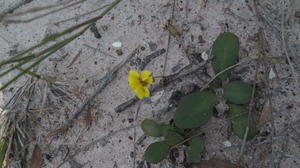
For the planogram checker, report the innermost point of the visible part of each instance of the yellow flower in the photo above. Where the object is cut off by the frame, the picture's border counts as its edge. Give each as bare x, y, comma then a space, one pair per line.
140, 82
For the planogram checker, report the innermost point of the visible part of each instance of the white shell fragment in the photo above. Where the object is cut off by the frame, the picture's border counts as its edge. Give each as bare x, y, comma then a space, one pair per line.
227, 143
117, 44
272, 74
204, 56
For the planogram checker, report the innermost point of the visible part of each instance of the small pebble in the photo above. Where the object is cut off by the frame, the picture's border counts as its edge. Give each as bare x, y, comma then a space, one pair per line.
104, 28
117, 44
227, 143
204, 56
95, 31
152, 46
201, 40
119, 52
156, 97
272, 74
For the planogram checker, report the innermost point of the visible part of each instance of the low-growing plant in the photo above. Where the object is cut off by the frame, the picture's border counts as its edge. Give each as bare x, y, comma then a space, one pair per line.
196, 109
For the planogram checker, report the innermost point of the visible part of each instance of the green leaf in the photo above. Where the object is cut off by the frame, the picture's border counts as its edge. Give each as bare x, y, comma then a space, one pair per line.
215, 83
151, 128
196, 148
225, 51
165, 128
156, 152
179, 130
52, 37
173, 138
239, 115
197, 144
238, 92
236, 111
195, 110
3, 149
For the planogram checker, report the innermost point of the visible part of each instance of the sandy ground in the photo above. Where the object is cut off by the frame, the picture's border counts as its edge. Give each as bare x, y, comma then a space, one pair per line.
110, 141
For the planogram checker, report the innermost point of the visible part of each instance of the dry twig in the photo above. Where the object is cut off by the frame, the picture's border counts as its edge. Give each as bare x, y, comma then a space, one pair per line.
105, 81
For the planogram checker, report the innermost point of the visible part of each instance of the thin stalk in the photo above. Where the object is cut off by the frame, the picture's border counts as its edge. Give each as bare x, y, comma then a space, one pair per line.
30, 73
39, 60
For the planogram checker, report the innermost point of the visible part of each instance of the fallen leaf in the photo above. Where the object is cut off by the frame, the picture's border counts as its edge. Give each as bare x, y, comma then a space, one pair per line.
88, 118
64, 128
37, 158
215, 163
265, 113
74, 59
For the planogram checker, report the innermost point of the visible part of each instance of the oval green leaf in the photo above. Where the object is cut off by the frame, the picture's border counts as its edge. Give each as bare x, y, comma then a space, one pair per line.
238, 92
165, 128
156, 152
225, 52
239, 115
195, 110
151, 128
196, 148
173, 138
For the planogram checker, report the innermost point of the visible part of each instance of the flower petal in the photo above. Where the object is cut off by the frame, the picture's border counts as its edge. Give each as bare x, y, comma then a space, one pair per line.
149, 81
142, 92
133, 79
147, 92
145, 75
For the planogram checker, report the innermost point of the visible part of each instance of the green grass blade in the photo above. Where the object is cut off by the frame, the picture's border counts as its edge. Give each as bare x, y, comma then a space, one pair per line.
29, 58
30, 73
23, 52
39, 60
8, 61
53, 48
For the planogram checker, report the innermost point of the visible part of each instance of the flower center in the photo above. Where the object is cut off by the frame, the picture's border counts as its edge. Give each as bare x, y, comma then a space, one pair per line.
144, 83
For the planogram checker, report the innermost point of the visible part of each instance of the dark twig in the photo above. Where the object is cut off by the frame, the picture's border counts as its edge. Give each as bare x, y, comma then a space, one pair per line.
105, 81
126, 104
13, 7
150, 57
